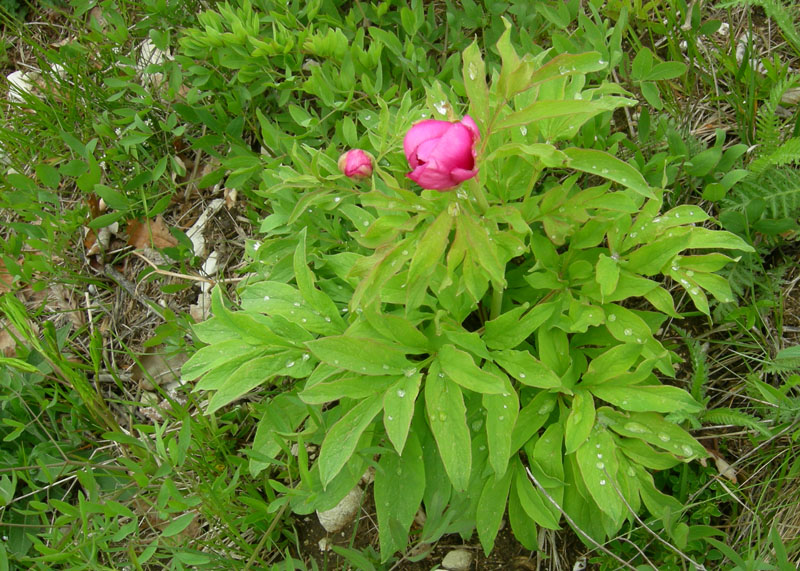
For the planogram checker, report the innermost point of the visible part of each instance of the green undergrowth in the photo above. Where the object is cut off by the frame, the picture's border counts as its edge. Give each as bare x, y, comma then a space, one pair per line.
570, 341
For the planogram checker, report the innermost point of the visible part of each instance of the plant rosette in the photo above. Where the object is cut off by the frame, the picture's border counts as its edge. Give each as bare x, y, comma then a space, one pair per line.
492, 349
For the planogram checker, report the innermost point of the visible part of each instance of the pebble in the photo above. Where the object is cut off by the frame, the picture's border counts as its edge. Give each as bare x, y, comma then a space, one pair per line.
341, 514
457, 560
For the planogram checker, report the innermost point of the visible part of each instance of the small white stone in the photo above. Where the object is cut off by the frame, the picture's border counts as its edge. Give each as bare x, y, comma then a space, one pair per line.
457, 560
336, 518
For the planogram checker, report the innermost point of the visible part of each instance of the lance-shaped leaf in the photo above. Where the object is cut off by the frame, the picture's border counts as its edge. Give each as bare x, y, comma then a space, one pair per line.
501, 415
608, 166
527, 369
444, 404
657, 398
491, 507
580, 421
361, 355
342, 438
399, 486
458, 366
597, 460
398, 409
474, 72
429, 251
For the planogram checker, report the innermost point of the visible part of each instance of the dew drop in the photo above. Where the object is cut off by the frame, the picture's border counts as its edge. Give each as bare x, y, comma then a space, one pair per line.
636, 428
687, 450
389, 418
500, 418
546, 408
367, 117
481, 448
289, 364
677, 215
612, 317
695, 291
366, 223
675, 268
689, 273
628, 332
562, 209
336, 361
306, 356
631, 472
633, 234
599, 455
297, 304
663, 437
597, 446
505, 406
385, 367
442, 416
441, 107
266, 298
624, 402
476, 426
410, 372
522, 375
604, 171
656, 220
562, 69
441, 375
523, 130
256, 247
473, 70
401, 393
600, 465
602, 482
328, 319
405, 252
624, 179
303, 320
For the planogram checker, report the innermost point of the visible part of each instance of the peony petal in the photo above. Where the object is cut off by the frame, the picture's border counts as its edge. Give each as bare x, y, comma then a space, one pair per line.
432, 178
460, 175
470, 124
454, 150
421, 132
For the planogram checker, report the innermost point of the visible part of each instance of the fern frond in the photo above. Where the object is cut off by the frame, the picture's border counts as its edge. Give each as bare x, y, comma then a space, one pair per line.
768, 126
779, 188
697, 356
787, 153
733, 417
785, 361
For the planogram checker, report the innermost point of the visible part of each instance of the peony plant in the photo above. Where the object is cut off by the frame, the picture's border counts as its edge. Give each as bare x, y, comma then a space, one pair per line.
492, 352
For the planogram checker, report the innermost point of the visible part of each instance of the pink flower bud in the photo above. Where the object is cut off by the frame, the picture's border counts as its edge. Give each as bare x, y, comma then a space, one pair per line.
441, 154
356, 164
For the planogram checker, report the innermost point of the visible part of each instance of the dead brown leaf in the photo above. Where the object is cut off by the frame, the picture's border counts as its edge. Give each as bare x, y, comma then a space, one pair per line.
148, 234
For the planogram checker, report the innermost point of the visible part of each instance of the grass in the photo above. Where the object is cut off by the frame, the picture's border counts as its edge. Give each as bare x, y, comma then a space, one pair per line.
107, 460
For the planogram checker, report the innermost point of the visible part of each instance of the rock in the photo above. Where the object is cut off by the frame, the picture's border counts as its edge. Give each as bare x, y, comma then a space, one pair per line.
343, 513
457, 560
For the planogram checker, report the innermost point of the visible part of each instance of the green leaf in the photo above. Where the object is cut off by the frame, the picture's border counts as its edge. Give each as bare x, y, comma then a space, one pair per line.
527, 369
491, 507
347, 386
361, 355
533, 502
248, 376
212, 356
606, 274
598, 464
458, 366
639, 398
706, 238
178, 524
625, 325
602, 164
548, 109
611, 363
474, 75
501, 415
398, 489
651, 258
429, 251
665, 70
510, 329
342, 437
653, 429
580, 421
531, 418
481, 247
283, 414
398, 409
444, 405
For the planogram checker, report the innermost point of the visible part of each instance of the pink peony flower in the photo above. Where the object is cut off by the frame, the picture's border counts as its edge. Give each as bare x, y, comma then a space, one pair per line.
441, 154
356, 164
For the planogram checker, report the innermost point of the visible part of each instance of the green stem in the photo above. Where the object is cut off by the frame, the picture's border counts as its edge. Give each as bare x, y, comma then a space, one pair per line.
497, 302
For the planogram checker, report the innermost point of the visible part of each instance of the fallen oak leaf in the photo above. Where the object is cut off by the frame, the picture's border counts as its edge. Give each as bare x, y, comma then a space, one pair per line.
153, 234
